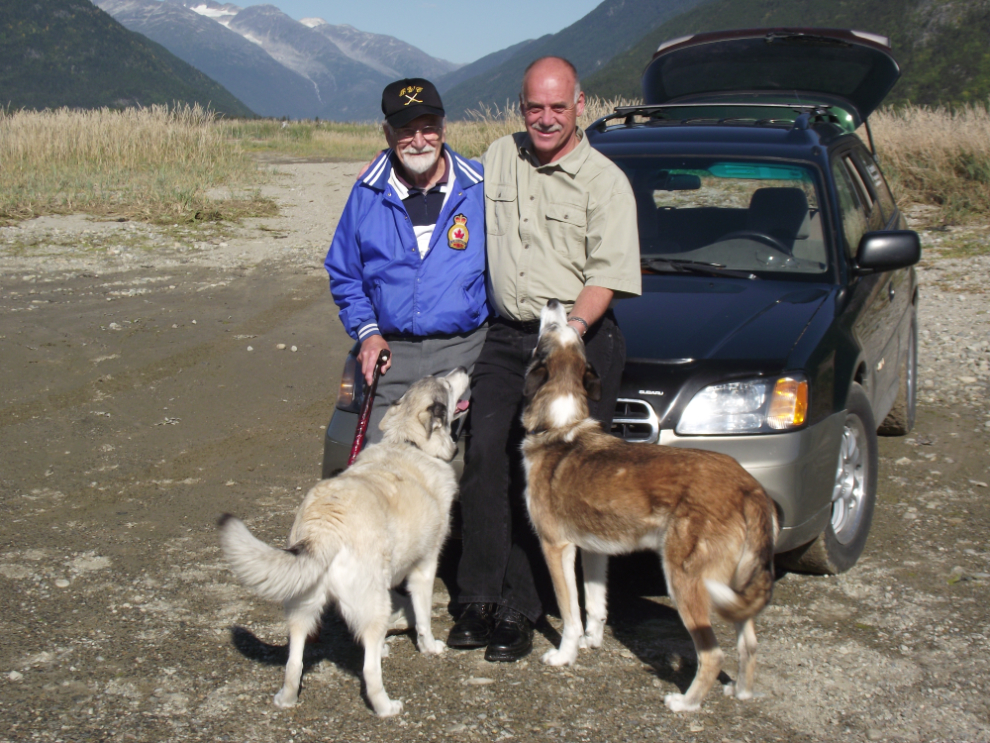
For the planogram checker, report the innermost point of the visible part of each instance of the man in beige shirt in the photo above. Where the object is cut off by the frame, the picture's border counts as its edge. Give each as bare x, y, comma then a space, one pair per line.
560, 224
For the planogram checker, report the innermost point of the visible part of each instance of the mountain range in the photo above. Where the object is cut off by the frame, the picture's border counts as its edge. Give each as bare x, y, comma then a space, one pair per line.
69, 53
258, 59
275, 64
589, 44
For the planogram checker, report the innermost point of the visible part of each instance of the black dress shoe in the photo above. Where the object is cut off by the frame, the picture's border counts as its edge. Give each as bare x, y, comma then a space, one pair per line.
512, 638
474, 627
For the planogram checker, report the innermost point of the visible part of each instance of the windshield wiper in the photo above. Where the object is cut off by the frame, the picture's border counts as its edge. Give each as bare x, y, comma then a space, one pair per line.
704, 268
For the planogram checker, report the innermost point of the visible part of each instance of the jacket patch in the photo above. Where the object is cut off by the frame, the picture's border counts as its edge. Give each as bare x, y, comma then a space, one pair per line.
457, 236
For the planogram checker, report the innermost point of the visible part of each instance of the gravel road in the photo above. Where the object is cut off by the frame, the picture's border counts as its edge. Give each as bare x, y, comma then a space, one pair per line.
156, 377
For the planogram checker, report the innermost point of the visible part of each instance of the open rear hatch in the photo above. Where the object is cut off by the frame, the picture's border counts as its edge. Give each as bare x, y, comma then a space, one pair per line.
743, 71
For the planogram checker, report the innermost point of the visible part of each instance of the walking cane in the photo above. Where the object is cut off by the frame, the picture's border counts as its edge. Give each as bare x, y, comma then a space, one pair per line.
369, 398
359, 432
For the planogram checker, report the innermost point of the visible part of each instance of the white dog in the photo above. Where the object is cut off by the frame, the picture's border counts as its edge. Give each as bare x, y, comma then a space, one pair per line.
381, 521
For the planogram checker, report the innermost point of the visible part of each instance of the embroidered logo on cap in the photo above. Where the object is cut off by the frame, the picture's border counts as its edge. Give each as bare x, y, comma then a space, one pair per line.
457, 236
410, 92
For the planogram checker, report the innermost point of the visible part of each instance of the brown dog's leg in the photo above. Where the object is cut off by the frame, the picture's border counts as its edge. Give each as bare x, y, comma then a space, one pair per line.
692, 602
595, 568
560, 561
746, 644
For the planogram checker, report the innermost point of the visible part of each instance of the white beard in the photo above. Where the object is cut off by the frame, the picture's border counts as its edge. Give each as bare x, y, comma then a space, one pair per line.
419, 162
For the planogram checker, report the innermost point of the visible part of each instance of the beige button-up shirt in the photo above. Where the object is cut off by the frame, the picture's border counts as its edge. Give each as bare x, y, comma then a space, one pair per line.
553, 229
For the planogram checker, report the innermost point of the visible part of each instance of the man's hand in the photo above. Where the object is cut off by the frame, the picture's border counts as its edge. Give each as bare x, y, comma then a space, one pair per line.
368, 356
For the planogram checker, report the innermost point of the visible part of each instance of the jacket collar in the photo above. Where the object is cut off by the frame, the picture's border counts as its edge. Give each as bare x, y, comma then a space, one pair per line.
465, 173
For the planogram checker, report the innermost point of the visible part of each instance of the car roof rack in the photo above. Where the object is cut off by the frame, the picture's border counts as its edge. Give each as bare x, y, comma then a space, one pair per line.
806, 112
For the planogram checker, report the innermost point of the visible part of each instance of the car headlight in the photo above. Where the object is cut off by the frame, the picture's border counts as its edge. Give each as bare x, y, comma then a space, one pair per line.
351, 392
750, 406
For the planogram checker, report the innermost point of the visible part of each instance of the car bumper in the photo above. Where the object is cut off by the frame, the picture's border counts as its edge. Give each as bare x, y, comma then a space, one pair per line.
797, 469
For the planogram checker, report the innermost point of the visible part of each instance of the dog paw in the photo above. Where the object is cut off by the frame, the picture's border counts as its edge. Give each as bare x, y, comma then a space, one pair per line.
384, 649
677, 703
389, 708
558, 658
285, 699
593, 637
732, 690
431, 646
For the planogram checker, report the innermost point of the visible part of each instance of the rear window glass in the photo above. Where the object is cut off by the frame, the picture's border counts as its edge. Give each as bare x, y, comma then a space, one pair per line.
740, 214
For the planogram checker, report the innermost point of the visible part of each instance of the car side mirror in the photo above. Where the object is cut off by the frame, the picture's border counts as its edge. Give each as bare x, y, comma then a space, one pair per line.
885, 251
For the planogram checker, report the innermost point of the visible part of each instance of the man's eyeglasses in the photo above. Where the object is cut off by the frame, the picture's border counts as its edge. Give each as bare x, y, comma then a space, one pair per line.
407, 133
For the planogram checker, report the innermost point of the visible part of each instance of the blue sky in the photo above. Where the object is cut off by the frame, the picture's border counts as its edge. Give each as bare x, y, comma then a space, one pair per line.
457, 31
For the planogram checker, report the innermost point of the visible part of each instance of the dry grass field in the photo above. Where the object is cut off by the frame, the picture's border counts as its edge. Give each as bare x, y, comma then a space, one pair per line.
185, 164
152, 164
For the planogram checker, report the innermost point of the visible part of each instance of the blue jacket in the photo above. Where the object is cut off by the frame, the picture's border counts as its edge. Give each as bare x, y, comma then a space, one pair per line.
377, 278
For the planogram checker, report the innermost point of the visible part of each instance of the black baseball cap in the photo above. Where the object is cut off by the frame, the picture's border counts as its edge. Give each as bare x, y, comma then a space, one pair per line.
405, 100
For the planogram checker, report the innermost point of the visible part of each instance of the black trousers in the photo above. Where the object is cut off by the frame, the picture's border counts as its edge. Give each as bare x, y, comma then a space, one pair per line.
501, 561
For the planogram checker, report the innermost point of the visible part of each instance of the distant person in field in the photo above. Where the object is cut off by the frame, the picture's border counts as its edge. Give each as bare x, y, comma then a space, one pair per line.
407, 261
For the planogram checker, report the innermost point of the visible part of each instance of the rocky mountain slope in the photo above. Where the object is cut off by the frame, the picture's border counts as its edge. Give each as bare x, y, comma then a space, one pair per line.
244, 68
65, 53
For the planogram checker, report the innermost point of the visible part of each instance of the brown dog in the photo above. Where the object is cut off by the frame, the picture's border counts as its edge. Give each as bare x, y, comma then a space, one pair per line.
711, 522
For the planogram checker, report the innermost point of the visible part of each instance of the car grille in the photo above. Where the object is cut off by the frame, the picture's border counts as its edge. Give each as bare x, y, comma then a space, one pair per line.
635, 421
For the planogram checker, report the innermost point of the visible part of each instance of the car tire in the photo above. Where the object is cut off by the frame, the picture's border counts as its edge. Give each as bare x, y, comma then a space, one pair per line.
854, 494
900, 419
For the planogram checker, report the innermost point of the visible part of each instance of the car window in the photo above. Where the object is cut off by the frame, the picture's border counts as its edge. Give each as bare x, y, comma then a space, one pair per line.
741, 214
868, 167
874, 214
855, 222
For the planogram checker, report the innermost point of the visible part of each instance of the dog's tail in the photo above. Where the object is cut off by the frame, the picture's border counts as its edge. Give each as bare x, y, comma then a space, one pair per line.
273, 573
757, 589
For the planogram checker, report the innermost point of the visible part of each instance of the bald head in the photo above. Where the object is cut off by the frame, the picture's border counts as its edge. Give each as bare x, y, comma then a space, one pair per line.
551, 102
552, 69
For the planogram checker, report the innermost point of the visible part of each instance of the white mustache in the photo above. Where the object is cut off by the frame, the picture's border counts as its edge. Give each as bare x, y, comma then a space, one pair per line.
547, 129
425, 150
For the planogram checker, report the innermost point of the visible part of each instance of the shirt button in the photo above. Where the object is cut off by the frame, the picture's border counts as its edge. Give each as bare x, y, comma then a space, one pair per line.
531, 198
522, 273
526, 220
525, 247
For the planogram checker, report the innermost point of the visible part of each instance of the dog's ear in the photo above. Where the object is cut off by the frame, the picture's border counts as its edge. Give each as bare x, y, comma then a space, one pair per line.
592, 382
536, 377
434, 418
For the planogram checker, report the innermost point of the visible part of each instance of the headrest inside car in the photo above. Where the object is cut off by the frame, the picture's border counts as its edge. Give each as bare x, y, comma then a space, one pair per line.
781, 212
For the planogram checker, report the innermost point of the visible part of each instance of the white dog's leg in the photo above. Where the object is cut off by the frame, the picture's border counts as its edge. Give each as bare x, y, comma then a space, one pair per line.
373, 638
303, 617
420, 584
560, 560
595, 597
402, 616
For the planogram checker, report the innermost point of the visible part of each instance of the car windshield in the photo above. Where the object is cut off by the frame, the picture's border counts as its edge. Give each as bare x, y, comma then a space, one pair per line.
741, 217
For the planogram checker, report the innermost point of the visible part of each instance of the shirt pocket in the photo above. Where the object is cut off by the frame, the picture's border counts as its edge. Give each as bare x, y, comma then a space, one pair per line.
567, 226
501, 208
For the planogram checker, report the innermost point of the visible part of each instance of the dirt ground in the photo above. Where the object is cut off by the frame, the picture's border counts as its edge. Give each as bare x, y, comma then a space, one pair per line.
156, 377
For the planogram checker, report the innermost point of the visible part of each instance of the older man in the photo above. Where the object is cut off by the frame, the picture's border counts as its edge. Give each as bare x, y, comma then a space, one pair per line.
561, 223
407, 261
